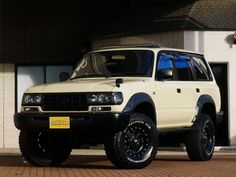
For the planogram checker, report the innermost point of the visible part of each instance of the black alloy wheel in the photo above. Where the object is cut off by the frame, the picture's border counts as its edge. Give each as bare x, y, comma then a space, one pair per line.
200, 142
208, 137
136, 146
137, 142
44, 148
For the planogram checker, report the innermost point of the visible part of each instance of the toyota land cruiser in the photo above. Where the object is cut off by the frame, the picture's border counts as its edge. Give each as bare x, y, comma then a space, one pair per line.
123, 97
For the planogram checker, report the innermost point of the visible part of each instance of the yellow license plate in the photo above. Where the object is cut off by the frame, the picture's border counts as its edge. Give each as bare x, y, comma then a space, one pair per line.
59, 122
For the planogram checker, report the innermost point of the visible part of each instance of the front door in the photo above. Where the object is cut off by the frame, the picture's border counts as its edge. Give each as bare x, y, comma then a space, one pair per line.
175, 96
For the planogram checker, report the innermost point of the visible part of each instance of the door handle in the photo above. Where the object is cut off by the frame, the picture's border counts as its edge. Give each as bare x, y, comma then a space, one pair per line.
178, 90
197, 90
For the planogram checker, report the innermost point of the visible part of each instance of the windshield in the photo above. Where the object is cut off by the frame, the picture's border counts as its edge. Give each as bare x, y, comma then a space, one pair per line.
115, 63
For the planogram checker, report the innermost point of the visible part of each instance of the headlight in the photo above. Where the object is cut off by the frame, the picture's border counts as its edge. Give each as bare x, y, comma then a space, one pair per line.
31, 99
105, 98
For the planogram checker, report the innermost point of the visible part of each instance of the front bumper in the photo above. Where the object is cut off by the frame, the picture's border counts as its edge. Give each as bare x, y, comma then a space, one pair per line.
81, 122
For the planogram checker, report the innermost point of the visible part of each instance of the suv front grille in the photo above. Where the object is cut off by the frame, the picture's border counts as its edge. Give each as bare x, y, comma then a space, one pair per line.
64, 102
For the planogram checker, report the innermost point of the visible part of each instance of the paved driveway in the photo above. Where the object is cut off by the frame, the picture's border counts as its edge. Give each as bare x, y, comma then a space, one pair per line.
166, 164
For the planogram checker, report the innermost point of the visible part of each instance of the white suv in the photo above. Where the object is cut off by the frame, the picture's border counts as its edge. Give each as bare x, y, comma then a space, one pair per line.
123, 97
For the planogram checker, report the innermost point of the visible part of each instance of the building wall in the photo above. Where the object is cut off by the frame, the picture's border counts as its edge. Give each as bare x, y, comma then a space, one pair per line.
217, 47
165, 39
8, 132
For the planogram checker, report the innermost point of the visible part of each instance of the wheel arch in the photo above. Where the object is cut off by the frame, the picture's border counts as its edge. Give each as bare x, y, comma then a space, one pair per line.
142, 103
206, 104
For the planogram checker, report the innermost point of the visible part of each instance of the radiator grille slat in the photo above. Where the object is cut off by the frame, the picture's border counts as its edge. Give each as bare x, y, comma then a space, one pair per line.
64, 102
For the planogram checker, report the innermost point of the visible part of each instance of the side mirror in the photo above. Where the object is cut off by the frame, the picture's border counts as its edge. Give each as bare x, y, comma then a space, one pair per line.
166, 74
64, 76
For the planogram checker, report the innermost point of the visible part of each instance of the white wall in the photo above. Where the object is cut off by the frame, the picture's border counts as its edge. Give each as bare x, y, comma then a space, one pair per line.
28, 76
216, 47
8, 132
1, 105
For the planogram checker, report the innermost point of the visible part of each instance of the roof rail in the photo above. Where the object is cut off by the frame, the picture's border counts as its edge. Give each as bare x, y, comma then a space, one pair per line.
132, 45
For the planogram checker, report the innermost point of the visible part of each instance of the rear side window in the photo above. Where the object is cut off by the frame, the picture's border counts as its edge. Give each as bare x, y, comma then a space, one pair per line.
183, 68
200, 68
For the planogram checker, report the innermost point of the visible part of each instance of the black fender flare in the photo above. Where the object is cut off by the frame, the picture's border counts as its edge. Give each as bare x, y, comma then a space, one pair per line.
203, 99
137, 99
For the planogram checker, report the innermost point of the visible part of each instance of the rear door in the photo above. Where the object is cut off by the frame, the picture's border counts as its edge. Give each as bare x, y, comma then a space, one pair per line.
185, 83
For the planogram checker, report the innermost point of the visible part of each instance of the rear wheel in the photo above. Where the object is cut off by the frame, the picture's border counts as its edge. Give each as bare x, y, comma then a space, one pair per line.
44, 148
201, 141
136, 146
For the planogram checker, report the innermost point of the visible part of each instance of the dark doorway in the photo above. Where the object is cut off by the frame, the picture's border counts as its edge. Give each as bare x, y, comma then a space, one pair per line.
220, 71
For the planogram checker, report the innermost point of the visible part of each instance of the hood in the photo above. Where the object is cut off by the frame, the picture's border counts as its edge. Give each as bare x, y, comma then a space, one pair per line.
80, 85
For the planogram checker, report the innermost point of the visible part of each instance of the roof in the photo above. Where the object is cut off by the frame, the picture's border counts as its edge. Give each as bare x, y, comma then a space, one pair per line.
154, 48
177, 15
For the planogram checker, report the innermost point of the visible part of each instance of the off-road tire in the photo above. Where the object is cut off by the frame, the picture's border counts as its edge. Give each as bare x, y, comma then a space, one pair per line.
50, 149
136, 146
201, 140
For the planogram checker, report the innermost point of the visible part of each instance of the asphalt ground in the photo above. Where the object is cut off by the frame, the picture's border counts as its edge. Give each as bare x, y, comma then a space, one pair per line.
91, 163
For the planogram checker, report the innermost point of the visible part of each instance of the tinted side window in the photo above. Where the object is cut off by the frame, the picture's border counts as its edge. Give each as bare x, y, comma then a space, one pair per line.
183, 69
164, 63
200, 68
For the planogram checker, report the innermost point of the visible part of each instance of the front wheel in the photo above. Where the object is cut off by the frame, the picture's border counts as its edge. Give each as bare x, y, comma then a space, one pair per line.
201, 141
136, 146
44, 148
